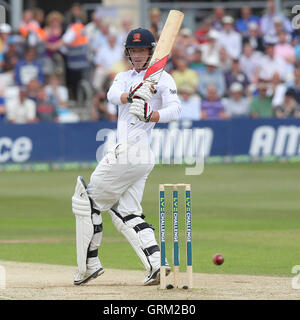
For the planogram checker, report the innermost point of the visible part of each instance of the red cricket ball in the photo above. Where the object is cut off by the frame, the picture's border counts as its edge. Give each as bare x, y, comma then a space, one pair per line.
218, 259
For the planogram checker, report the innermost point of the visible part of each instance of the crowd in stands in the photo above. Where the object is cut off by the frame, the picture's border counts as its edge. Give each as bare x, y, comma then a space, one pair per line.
229, 67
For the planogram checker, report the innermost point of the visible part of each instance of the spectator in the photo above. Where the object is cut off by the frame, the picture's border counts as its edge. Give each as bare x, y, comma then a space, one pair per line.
45, 109
155, 22
103, 110
211, 75
190, 103
277, 90
39, 16
5, 32
267, 22
28, 68
183, 74
197, 63
294, 86
254, 38
57, 93
105, 59
126, 28
284, 49
186, 44
99, 39
77, 62
32, 89
269, 64
211, 48
75, 15
13, 54
242, 24
236, 75
236, 106
225, 60
261, 106
230, 39
21, 109
202, 33
53, 30
250, 62
218, 16
289, 107
212, 108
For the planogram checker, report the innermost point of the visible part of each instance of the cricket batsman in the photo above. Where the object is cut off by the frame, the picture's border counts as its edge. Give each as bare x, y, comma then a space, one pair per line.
118, 182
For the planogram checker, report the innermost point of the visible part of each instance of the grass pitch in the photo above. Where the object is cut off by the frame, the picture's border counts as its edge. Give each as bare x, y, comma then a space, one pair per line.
248, 212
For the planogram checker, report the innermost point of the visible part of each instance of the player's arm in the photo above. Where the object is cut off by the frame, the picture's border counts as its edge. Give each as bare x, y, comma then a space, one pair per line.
116, 93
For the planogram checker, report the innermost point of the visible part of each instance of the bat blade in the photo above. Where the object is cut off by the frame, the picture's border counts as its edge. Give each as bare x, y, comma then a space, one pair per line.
162, 51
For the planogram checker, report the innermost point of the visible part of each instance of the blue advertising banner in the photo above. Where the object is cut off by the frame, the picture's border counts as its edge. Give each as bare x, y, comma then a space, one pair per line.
52, 142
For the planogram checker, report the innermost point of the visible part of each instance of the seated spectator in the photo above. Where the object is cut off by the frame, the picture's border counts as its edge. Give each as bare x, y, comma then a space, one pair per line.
289, 107
197, 61
269, 64
45, 108
21, 109
211, 48
105, 59
59, 96
225, 61
28, 69
201, 33
13, 54
250, 62
261, 106
32, 89
294, 86
237, 105
267, 22
190, 103
211, 107
277, 90
218, 16
211, 75
156, 24
230, 39
284, 49
103, 110
236, 75
242, 24
186, 44
183, 74
254, 38
5, 32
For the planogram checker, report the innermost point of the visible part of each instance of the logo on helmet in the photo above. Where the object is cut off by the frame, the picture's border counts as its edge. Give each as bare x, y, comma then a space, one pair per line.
137, 37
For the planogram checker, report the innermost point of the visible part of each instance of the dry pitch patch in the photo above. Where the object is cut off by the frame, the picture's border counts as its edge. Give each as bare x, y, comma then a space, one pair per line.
33, 281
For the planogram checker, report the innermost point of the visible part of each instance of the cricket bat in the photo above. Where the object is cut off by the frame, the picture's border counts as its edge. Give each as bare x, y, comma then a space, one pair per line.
164, 46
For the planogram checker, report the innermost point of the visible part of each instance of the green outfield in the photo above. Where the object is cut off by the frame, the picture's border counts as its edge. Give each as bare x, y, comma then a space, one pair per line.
248, 212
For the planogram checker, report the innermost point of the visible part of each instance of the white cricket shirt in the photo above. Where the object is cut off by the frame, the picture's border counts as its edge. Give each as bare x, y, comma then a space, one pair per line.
165, 101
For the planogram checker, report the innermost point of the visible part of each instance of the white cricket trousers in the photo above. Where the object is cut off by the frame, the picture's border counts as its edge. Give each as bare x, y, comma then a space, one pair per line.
119, 179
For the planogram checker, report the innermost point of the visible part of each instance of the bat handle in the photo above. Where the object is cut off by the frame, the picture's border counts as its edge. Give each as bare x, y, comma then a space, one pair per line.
134, 120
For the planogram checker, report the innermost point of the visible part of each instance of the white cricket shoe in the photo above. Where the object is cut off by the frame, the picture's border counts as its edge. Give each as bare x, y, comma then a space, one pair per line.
154, 276
94, 269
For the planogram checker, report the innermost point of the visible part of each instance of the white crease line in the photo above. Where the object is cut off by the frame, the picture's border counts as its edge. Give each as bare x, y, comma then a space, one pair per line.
6, 298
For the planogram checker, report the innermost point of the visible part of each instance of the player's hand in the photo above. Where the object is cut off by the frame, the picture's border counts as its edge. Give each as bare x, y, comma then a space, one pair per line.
143, 90
141, 109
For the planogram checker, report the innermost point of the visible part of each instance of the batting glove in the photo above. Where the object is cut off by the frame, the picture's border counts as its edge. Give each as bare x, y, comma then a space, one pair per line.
141, 109
143, 90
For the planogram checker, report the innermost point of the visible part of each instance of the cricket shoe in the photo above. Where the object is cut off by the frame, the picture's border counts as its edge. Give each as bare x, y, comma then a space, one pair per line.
154, 277
94, 269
